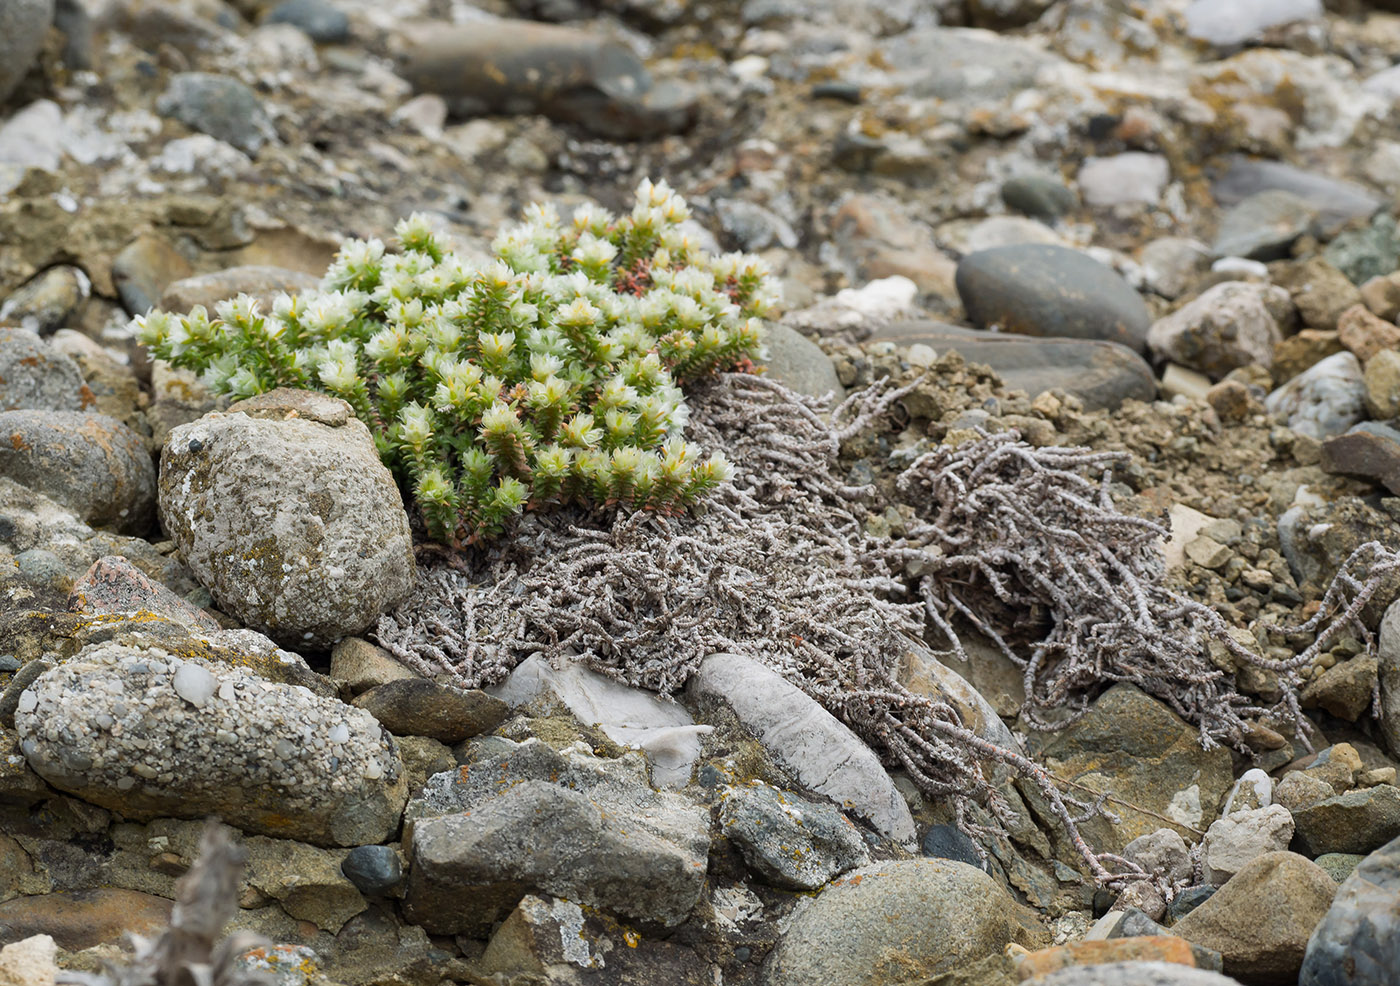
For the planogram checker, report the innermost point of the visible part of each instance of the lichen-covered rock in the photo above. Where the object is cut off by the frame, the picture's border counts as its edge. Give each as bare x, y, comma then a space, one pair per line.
284, 512
150, 734
92, 464
788, 840
1232, 324
114, 585
1357, 821
35, 377
921, 920
524, 817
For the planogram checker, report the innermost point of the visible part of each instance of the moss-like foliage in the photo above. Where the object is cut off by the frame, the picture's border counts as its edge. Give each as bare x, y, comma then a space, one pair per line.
551, 374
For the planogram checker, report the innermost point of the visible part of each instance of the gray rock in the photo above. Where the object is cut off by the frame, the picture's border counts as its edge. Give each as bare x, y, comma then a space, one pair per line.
144, 268
825, 755
1388, 656
1358, 942
752, 227
1226, 23
907, 921
290, 484
951, 842
1339, 865
1336, 201
92, 464
74, 20
790, 841
23, 25
514, 66
799, 364
1362, 254
1188, 900
1042, 290
1264, 226
963, 66
1260, 921
1101, 374
1135, 974
1163, 851
1234, 840
359, 665
419, 707
109, 727
971, 236
1038, 196
1345, 689
1357, 821
1003, 15
1231, 325
47, 301
307, 881
1130, 178
33, 376
257, 281
219, 106
321, 20
376, 871
520, 818
1172, 264
31, 138
1324, 400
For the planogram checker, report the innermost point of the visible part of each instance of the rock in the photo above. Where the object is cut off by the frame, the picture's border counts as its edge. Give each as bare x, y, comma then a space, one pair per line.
290, 483
1163, 851
1339, 865
789, 841
259, 282
1260, 921
114, 387
49, 300
1388, 658
1357, 943
1134, 746
1372, 251
951, 842
90, 463
144, 268
360, 665
321, 20
1344, 689
376, 871
553, 940
1302, 351
1336, 765
1090, 954
23, 26
826, 756
1365, 334
628, 716
30, 962
1234, 840
80, 919
1357, 821
1005, 14
32, 138
1382, 379
970, 236
1264, 226
1382, 296
799, 364
1130, 178
514, 66
1172, 264
963, 67
1320, 292
1041, 290
1230, 325
1101, 374
1038, 196
34, 376
1324, 400
751, 226
521, 818
1254, 789
269, 758
1136, 974
114, 585
876, 239
305, 880
219, 106
1335, 201
1226, 23
910, 920
419, 707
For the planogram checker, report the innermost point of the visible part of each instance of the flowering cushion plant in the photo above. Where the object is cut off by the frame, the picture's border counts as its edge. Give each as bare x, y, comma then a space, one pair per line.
551, 374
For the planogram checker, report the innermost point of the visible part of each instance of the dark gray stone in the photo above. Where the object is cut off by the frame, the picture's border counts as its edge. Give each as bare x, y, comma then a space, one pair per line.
1101, 374
419, 707
799, 364
788, 840
1336, 201
319, 20
1358, 941
1038, 196
951, 842
374, 870
1036, 289
1264, 226
219, 106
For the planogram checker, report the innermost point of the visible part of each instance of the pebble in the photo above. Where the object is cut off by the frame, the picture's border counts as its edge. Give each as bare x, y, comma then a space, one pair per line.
1228, 326
787, 840
1043, 290
1366, 334
1038, 196
219, 106
1334, 200
23, 24
376, 871
34, 376
1238, 838
1264, 226
321, 20
49, 301
1130, 178
419, 707
1225, 23
1324, 400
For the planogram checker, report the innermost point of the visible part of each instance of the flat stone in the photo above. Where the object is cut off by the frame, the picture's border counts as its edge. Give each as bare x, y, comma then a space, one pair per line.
1264, 226
1357, 821
1358, 941
1101, 374
964, 66
1260, 921
1336, 201
419, 707
35, 376
261, 282
1139, 948
911, 921
80, 919
219, 106
799, 364
1130, 178
1042, 290
824, 754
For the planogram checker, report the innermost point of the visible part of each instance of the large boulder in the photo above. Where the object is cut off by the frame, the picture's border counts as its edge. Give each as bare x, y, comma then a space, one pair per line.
282, 509
1358, 942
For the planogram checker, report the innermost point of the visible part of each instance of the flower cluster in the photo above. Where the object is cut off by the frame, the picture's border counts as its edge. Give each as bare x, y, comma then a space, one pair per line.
551, 374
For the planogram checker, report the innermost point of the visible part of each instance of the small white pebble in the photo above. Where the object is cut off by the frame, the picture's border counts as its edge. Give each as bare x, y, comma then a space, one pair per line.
340, 733
28, 701
195, 684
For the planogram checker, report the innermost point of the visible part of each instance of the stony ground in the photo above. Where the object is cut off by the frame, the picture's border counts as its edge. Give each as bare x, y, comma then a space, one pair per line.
1160, 228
